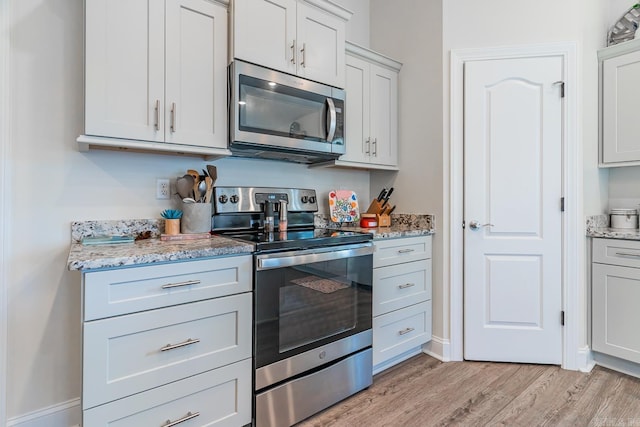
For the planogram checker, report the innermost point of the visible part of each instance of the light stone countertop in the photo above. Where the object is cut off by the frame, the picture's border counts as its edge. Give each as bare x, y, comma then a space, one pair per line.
154, 250
86, 257
598, 226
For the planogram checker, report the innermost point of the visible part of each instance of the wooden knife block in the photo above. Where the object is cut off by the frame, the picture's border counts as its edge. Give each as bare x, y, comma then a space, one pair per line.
375, 207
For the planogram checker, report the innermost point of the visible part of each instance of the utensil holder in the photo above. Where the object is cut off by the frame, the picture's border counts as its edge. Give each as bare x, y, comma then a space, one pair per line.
172, 226
196, 218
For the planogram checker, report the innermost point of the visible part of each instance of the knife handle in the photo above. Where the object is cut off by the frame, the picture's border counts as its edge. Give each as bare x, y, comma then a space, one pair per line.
382, 194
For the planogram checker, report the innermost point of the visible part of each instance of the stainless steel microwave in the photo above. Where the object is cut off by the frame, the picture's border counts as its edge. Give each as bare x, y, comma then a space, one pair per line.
279, 116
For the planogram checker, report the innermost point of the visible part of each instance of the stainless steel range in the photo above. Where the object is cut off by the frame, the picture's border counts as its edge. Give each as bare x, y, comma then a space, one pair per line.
312, 302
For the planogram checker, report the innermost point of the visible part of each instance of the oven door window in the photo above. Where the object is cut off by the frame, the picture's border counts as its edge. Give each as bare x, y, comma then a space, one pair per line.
279, 110
303, 306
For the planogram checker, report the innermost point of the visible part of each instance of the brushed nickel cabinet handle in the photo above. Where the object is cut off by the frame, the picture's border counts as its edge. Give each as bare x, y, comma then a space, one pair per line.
405, 251
179, 284
190, 415
630, 254
368, 143
375, 147
406, 331
182, 344
173, 117
293, 52
303, 51
406, 285
156, 115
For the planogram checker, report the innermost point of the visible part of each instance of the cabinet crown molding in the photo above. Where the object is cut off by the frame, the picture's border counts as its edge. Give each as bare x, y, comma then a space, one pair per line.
362, 52
331, 7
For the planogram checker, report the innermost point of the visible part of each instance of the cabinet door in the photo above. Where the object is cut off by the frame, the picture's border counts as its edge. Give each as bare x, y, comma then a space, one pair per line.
616, 295
320, 46
265, 33
620, 107
384, 116
196, 44
357, 140
124, 69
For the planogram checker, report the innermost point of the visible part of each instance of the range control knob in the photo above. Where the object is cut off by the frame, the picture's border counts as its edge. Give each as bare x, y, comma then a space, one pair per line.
234, 198
312, 199
304, 199
222, 199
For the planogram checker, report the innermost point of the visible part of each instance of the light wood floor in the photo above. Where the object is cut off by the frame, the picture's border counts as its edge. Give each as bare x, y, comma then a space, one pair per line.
426, 392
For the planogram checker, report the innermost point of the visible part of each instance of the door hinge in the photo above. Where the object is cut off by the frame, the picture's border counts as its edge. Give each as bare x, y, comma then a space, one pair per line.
561, 83
463, 224
561, 204
562, 317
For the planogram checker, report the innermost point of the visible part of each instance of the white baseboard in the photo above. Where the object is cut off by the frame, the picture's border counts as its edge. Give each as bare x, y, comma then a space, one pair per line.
584, 359
65, 414
439, 348
620, 365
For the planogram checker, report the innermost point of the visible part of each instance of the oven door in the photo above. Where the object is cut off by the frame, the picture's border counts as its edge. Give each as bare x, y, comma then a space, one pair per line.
308, 299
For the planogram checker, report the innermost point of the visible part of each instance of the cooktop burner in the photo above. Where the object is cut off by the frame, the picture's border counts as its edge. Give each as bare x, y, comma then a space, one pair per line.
300, 239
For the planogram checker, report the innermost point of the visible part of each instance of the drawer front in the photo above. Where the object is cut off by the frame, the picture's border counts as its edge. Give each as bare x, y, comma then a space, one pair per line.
129, 354
400, 331
617, 252
399, 286
616, 297
396, 251
221, 398
128, 290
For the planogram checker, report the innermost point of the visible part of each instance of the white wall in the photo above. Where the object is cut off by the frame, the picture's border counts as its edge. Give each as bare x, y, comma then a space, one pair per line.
53, 184
418, 186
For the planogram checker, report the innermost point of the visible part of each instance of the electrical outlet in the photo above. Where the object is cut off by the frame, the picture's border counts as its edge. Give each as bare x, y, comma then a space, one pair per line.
162, 189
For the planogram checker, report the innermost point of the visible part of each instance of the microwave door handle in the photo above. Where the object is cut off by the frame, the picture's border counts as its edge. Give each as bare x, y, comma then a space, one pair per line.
331, 120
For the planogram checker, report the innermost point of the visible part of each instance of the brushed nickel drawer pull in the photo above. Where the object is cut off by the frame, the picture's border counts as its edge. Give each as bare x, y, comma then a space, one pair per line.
182, 344
628, 254
156, 115
406, 285
405, 251
179, 284
187, 417
406, 331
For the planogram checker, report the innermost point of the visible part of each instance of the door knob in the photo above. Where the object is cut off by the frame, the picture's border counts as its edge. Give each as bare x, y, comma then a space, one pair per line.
475, 225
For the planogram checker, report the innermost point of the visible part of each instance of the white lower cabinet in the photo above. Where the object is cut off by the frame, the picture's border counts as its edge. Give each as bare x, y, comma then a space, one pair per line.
214, 398
616, 297
401, 299
168, 360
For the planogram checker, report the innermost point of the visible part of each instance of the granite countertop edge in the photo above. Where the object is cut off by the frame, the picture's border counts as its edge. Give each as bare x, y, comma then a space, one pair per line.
151, 251
612, 233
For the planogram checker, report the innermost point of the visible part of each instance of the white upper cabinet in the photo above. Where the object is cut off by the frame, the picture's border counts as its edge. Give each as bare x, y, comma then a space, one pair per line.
619, 104
156, 76
371, 110
305, 37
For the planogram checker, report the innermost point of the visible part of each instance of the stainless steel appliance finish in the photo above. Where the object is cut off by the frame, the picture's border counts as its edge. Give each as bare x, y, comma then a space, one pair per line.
303, 362
302, 397
312, 303
275, 115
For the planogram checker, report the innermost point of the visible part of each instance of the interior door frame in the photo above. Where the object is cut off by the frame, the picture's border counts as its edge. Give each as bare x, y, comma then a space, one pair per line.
5, 142
574, 299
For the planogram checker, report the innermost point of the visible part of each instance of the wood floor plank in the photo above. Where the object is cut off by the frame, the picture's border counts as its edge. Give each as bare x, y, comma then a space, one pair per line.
424, 392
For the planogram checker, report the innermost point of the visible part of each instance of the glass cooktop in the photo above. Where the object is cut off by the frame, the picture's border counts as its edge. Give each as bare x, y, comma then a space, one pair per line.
300, 239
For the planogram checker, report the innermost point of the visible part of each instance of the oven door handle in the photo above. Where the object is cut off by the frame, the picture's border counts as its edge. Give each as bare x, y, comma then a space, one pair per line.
289, 259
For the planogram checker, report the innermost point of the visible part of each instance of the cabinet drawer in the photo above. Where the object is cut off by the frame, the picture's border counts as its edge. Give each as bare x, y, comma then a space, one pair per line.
617, 252
129, 354
221, 397
616, 297
395, 251
400, 331
127, 290
399, 286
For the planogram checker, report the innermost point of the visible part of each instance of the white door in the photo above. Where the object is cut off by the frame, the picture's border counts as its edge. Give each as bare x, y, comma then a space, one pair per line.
512, 190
